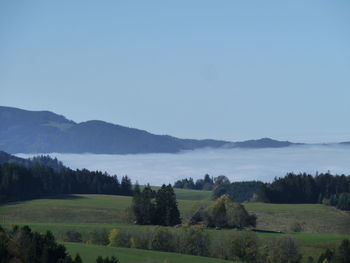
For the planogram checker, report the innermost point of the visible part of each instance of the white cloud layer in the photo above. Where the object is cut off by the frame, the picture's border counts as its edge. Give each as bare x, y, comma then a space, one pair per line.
237, 164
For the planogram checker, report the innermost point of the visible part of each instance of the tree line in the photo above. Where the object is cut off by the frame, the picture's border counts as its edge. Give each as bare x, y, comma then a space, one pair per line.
241, 246
305, 188
207, 183
239, 191
323, 188
22, 183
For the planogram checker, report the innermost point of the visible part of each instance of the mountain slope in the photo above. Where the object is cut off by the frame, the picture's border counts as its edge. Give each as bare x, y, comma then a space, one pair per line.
23, 131
32, 162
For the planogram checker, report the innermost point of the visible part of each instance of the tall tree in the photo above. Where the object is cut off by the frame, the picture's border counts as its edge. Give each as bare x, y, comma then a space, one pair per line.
166, 206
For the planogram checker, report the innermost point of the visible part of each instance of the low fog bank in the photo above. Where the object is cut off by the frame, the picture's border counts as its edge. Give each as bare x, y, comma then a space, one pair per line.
236, 164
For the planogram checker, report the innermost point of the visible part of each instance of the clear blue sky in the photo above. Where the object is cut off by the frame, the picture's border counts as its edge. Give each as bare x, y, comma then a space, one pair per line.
197, 69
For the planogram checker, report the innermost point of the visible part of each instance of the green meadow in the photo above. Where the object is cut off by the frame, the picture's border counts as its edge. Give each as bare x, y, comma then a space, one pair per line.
107, 209
323, 226
130, 255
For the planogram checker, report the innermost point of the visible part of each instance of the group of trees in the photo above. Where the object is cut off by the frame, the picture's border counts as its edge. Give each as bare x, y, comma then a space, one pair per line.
339, 255
185, 239
305, 188
242, 246
21, 183
22, 245
155, 207
239, 191
207, 183
224, 213
340, 201
220, 185
44, 160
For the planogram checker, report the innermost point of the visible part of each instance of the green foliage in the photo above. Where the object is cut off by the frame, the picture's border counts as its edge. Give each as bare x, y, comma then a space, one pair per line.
243, 246
343, 252
21, 183
72, 236
344, 202
326, 256
340, 255
89, 254
167, 213
239, 191
207, 183
283, 250
144, 206
296, 226
225, 213
119, 238
194, 241
162, 239
98, 236
23, 245
305, 188
113, 259
159, 207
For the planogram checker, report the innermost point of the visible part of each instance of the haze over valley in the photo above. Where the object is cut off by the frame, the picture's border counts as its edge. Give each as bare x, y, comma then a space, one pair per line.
236, 164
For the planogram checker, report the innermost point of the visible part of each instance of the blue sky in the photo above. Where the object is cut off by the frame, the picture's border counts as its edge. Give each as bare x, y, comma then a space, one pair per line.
197, 69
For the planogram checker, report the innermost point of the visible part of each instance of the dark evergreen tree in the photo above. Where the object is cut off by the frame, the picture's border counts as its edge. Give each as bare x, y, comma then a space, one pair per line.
144, 206
159, 207
126, 187
166, 206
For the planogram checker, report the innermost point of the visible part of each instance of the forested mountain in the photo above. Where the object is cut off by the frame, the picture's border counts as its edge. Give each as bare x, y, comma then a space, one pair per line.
23, 131
42, 160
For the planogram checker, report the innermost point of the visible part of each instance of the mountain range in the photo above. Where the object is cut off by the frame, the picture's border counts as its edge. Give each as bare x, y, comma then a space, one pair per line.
23, 131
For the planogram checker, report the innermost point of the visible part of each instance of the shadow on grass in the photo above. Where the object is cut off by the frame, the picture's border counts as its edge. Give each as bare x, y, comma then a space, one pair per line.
53, 197
64, 197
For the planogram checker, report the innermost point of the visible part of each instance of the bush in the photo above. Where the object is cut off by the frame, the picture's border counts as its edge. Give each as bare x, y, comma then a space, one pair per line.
344, 201
72, 236
98, 237
194, 241
140, 238
119, 238
296, 226
226, 214
162, 239
107, 260
243, 245
219, 248
283, 250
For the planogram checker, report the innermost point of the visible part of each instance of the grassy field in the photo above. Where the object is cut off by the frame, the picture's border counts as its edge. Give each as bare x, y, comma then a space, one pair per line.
324, 226
315, 218
187, 194
89, 254
104, 209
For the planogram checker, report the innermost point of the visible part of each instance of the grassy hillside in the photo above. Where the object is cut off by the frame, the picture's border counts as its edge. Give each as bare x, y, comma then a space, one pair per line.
75, 209
89, 254
325, 226
104, 209
188, 194
315, 218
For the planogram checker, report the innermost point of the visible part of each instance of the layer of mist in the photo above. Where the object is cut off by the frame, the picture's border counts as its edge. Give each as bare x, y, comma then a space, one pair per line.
236, 164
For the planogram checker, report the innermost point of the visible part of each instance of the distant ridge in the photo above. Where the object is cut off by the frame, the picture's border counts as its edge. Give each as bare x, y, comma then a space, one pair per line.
264, 143
24, 131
